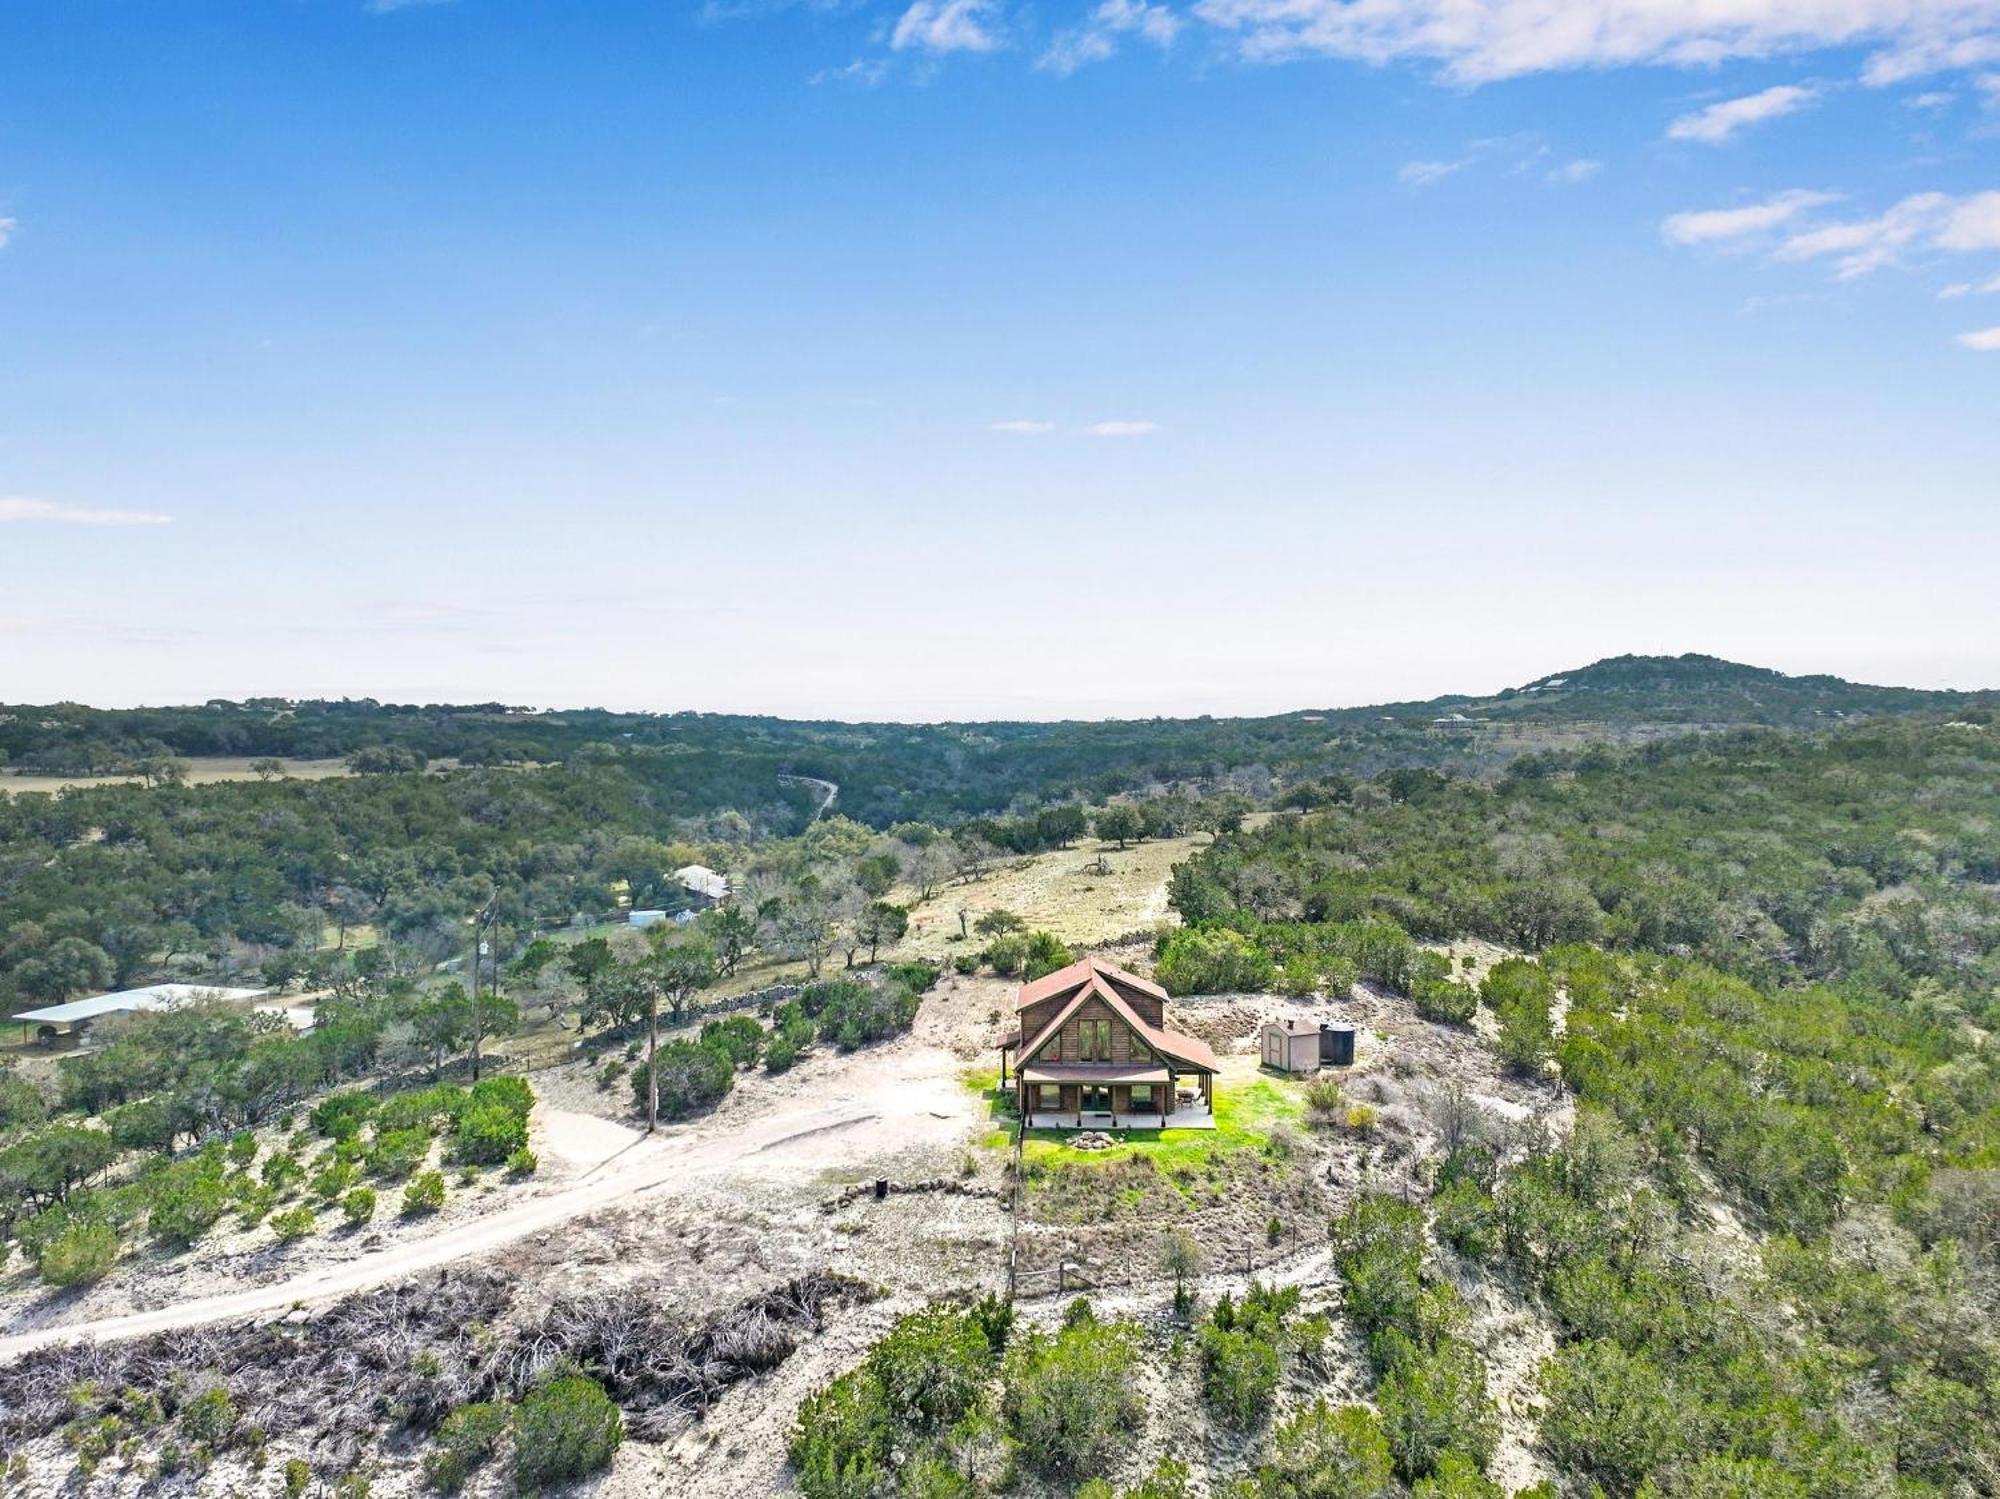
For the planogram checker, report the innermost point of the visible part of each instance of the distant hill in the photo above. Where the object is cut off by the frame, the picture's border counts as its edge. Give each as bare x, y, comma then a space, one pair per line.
1696, 689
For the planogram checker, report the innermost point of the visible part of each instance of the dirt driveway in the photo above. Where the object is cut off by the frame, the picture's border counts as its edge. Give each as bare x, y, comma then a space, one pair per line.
871, 1107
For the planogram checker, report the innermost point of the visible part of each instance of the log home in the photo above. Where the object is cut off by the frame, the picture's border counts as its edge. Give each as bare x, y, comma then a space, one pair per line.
1092, 1051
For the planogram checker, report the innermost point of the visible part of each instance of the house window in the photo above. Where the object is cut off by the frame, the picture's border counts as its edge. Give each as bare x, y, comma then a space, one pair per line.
1142, 1098
1053, 1052
1048, 1096
1094, 1037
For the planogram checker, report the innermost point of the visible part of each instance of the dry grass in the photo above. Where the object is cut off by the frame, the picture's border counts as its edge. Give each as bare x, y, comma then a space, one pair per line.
1060, 892
204, 771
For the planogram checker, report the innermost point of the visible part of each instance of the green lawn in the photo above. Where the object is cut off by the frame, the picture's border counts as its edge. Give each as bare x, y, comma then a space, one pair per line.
1245, 1114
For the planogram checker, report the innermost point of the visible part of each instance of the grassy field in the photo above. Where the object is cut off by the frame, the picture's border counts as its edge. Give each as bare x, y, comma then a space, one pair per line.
201, 772
1059, 891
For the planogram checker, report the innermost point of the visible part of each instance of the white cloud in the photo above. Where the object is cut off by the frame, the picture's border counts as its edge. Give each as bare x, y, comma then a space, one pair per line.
1098, 37
947, 26
1973, 224
6, 232
1717, 123
865, 72
1573, 172
1725, 225
1935, 99
18, 508
1424, 173
1121, 429
1985, 341
1476, 41
1025, 427
1863, 245
1985, 288
1922, 221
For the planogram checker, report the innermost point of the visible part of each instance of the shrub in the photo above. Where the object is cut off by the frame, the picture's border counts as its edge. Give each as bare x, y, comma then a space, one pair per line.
1521, 995
1430, 987
930, 1367
840, 1441
1007, 954
1433, 1403
1465, 1219
210, 1418
1325, 1100
918, 975
780, 1053
1211, 960
293, 1224
466, 1439
358, 1206
424, 1194
1044, 954
1361, 1119
739, 1038
565, 1429
852, 1014
488, 1132
424, 1108
297, 1476
692, 1078
282, 1172
1239, 1375
334, 1180
398, 1152
80, 1254
339, 1116
1327, 1452
1607, 1414
1067, 1398
504, 1091
242, 1148
523, 1162
185, 1200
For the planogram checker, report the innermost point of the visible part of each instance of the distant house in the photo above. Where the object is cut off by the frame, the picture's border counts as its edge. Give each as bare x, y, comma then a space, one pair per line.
644, 918
74, 1017
1092, 1051
699, 880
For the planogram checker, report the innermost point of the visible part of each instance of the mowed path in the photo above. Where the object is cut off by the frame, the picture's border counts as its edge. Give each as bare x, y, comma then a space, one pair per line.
889, 1108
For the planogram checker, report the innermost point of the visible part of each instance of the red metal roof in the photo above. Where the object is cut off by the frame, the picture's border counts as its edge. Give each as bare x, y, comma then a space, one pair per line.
1171, 1044
1078, 974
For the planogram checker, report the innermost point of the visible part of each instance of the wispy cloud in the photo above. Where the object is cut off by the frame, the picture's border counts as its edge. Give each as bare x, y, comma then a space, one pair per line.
19, 508
1710, 226
1021, 427
1985, 341
1572, 172
863, 72
1933, 99
1719, 122
6, 232
1957, 289
1424, 173
947, 26
1921, 221
1493, 39
1098, 37
1121, 429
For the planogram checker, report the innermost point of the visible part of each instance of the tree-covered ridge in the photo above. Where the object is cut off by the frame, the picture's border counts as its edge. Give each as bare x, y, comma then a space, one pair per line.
1869, 855
1767, 1246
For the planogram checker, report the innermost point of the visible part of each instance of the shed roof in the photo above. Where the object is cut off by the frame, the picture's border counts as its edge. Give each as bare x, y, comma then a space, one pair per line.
1293, 1027
152, 997
702, 881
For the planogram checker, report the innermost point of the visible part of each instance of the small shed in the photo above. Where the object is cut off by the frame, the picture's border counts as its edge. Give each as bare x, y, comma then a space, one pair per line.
701, 881
645, 918
1291, 1046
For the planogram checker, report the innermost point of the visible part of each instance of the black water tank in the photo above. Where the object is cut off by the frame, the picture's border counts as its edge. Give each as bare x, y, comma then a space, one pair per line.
1336, 1045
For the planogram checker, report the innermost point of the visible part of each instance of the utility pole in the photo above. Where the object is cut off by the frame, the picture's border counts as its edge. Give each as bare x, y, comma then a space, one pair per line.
480, 924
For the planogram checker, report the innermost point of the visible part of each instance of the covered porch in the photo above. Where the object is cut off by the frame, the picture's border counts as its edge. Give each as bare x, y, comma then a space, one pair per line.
1107, 1097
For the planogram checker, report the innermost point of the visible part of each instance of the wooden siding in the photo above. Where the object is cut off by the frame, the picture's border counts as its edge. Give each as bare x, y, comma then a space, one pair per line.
1127, 1046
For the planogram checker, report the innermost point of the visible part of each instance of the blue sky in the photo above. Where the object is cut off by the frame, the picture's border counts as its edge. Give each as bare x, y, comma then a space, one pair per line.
978, 357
